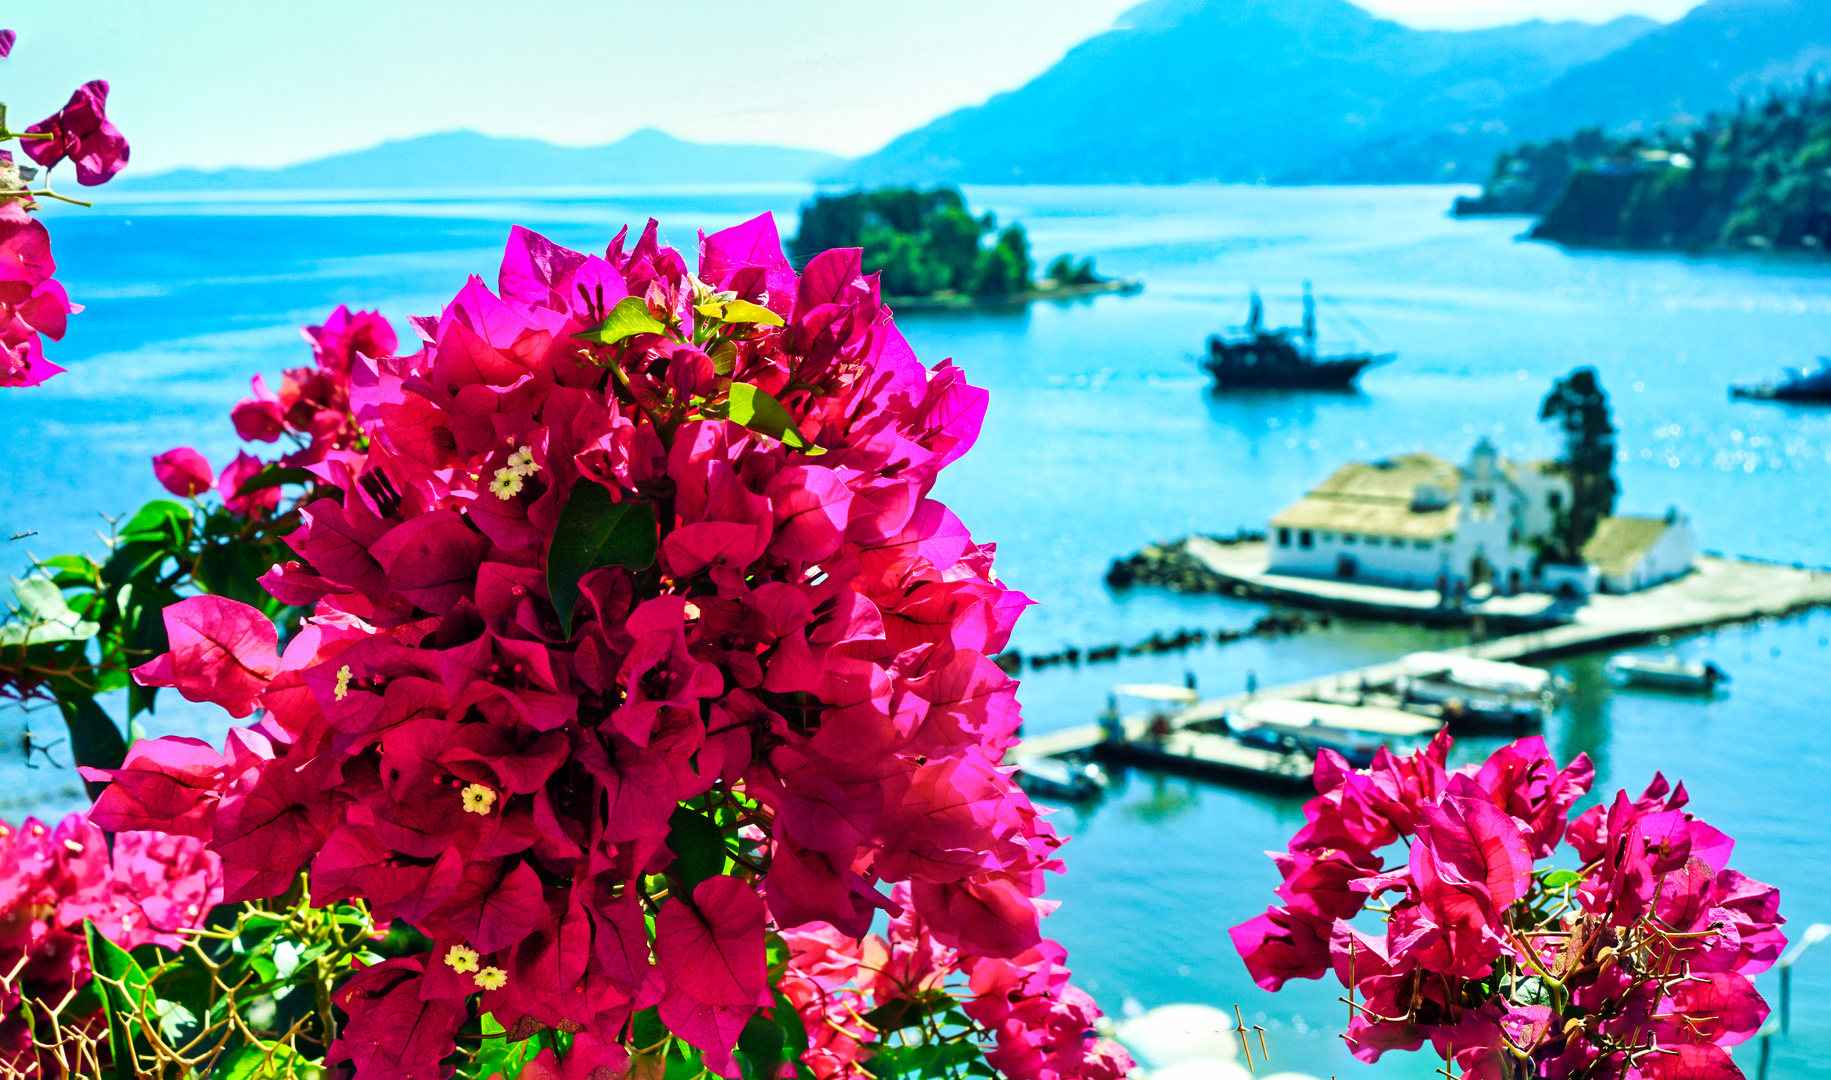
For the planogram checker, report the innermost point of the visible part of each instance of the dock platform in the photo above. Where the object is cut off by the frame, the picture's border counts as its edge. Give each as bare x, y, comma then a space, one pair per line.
1202, 754
1718, 591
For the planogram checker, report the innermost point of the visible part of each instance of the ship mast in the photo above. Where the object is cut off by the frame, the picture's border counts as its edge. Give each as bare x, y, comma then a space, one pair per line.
1309, 316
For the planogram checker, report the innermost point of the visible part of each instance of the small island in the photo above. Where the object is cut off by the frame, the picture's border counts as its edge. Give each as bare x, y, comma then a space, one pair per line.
1758, 179
935, 255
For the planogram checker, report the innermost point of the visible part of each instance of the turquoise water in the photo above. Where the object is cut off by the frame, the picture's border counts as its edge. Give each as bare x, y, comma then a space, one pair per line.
1101, 437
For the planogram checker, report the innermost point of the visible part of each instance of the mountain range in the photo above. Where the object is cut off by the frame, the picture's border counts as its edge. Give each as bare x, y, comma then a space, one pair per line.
1321, 91
467, 159
1178, 91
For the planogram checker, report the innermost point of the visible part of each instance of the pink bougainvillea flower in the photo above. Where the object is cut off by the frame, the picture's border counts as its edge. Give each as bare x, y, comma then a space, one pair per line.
138, 888
346, 335
170, 784
237, 474
794, 641
1654, 948
81, 132
259, 418
184, 471
223, 651
7, 37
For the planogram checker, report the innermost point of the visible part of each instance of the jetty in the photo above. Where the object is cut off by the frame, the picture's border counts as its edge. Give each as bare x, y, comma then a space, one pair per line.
1718, 591
1204, 754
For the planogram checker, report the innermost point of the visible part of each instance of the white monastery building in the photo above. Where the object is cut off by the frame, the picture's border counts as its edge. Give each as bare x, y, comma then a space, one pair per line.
1420, 522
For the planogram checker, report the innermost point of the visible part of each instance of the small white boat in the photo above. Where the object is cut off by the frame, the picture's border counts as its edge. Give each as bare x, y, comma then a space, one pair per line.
1472, 673
1334, 719
1669, 673
1053, 778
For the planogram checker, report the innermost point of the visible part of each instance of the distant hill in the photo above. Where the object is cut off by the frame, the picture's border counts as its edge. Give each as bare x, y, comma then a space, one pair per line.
1721, 52
1708, 61
460, 159
1751, 178
1279, 90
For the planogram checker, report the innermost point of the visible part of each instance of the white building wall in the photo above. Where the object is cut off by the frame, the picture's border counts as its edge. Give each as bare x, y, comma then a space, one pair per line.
1536, 489
1400, 563
1581, 579
1669, 557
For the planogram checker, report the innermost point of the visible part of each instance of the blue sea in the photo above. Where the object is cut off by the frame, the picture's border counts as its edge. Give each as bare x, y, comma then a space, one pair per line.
1102, 437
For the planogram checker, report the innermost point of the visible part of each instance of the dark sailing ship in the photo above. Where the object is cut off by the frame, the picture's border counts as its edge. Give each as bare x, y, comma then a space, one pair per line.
1797, 386
1282, 359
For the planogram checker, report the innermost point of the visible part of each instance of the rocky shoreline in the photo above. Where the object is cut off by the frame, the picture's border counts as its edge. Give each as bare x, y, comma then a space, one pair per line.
1169, 565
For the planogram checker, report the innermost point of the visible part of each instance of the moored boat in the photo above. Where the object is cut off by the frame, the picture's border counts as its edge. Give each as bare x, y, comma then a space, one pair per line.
1471, 691
1474, 673
1797, 386
1282, 359
1669, 673
1356, 732
1053, 778
1163, 738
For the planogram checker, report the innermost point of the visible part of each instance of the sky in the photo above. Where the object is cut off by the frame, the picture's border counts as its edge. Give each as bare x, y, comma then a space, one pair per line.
218, 82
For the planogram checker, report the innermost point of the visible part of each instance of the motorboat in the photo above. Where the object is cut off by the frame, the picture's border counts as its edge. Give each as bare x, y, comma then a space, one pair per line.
1356, 732
1474, 673
1667, 673
1053, 778
1336, 718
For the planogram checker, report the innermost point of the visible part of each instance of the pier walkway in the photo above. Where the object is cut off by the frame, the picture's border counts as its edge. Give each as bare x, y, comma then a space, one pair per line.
1716, 592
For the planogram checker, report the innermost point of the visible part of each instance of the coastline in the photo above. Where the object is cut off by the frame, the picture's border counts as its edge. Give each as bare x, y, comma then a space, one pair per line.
953, 301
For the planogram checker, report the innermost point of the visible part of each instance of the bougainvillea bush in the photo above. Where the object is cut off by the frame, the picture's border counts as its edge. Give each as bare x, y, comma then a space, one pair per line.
1634, 964
632, 673
33, 305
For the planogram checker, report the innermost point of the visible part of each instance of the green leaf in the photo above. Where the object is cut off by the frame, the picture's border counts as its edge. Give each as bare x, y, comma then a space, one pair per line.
124, 995
273, 476
1558, 879
906, 1012
794, 1034
628, 318
160, 521
684, 1062
697, 844
132, 559
740, 311
260, 1061
761, 1048
594, 532
646, 1027
499, 1056
174, 1020
44, 616
760, 412
95, 741
39, 599
233, 569
71, 570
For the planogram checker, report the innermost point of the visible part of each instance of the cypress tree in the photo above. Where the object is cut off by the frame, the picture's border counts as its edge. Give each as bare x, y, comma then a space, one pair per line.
1578, 405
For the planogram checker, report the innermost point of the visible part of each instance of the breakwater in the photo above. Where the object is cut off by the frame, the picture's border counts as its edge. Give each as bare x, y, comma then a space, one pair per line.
1273, 625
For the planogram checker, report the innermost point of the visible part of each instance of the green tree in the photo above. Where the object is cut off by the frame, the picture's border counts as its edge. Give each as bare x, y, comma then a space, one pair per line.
1578, 405
1004, 268
923, 242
